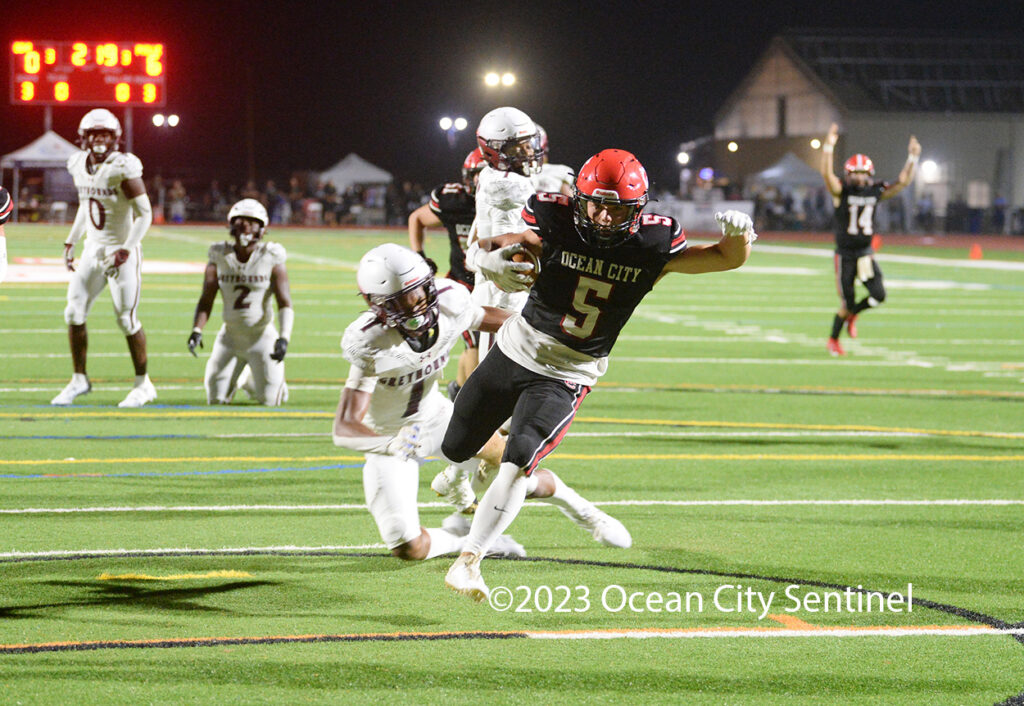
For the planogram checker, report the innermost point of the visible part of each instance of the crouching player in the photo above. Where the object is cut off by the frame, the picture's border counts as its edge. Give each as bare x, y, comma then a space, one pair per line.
247, 271
392, 411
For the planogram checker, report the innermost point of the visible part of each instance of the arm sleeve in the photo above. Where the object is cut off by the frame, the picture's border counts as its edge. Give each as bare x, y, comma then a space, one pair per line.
78, 226
140, 224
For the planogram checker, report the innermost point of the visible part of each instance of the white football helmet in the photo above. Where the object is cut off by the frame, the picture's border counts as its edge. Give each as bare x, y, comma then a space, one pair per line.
507, 138
91, 136
248, 208
399, 287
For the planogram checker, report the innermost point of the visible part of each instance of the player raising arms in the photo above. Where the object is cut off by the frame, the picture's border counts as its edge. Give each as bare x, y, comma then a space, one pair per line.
855, 199
6, 208
247, 271
114, 214
453, 206
599, 256
391, 409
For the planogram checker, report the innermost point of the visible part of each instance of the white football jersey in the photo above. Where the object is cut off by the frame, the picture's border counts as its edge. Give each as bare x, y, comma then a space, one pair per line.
109, 211
406, 389
500, 198
552, 177
245, 286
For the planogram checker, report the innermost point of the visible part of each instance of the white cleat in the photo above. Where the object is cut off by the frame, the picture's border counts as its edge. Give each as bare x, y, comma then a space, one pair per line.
457, 523
505, 546
464, 578
72, 390
455, 488
139, 395
602, 527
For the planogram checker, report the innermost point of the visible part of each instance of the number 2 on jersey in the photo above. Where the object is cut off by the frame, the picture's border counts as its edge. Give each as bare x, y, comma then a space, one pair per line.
240, 302
582, 324
865, 220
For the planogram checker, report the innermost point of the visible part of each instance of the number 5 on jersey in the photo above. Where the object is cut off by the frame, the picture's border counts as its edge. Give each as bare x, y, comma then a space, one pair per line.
581, 320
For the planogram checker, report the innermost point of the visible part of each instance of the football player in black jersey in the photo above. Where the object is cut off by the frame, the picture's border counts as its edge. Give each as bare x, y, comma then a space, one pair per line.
596, 254
855, 199
6, 209
453, 205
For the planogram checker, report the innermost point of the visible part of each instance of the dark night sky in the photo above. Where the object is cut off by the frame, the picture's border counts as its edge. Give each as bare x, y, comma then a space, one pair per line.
327, 78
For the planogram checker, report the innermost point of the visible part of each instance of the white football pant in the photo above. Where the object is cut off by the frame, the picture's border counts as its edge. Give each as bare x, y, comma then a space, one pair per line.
89, 278
232, 350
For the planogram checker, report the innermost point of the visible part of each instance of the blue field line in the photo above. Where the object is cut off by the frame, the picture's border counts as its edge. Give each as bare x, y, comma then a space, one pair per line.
226, 471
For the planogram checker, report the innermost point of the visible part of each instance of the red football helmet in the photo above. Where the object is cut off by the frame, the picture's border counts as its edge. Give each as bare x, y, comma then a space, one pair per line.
473, 165
613, 178
859, 163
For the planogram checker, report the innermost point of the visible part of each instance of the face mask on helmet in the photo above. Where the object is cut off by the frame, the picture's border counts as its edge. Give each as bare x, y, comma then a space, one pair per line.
246, 230
413, 312
540, 145
506, 138
100, 142
609, 196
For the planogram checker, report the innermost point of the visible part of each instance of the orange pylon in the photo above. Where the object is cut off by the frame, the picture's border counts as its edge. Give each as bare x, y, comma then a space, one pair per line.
876, 243
975, 253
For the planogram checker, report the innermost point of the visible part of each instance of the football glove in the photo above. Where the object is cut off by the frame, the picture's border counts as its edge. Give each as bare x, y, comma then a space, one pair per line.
406, 444
280, 348
736, 223
69, 256
113, 261
195, 339
497, 266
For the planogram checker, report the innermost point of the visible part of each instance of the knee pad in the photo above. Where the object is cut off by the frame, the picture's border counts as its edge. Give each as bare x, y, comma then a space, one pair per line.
519, 450
128, 324
74, 315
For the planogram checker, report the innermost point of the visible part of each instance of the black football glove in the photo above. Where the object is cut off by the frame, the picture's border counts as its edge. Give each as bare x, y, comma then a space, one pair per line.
280, 348
431, 263
194, 339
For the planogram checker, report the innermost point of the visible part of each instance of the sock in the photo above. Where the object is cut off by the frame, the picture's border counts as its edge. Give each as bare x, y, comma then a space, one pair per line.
837, 326
566, 498
442, 542
507, 492
80, 378
141, 379
865, 303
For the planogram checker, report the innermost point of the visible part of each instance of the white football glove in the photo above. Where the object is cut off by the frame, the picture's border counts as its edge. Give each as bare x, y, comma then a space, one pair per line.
406, 444
109, 268
497, 266
736, 223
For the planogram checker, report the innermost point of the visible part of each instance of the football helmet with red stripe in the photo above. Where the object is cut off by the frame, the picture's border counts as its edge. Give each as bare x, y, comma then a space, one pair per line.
506, 137
859, 163
399, 287
609, 196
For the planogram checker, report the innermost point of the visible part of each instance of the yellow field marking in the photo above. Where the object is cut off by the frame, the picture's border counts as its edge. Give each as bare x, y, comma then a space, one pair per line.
175, 577
812, 388
568, 456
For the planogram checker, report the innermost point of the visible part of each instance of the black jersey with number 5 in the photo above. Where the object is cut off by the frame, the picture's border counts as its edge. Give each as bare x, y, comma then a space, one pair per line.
855, 217
456, 209
584, 295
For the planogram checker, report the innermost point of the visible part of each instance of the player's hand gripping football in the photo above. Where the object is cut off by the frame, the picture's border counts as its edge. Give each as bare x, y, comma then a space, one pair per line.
498, 267
195, 339
280, 348
406, 444
736, 223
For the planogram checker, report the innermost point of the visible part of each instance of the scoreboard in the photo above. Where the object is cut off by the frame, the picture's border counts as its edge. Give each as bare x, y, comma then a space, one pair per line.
87, 73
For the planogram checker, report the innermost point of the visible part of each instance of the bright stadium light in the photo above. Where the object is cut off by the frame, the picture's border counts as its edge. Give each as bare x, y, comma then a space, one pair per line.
445, 123
158, 119
460, 123
492, 79
683, 157
929, 171
172, 120
452, 126
815, 143
508, 78
732, 147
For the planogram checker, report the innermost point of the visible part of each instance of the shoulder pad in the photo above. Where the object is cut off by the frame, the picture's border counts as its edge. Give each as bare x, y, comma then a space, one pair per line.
128, 165
452, 297
276, 252
357, 343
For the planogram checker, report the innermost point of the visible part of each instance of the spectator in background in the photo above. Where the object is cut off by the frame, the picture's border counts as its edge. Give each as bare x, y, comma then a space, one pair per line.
999, 213
926, 212
177, 198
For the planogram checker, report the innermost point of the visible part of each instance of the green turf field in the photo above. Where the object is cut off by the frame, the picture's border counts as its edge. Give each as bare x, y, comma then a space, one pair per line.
180, 553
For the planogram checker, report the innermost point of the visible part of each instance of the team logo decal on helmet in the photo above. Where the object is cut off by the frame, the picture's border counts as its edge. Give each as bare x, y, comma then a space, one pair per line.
252, 209
507, 141
399, 288
859, 163
99, 131
616, 180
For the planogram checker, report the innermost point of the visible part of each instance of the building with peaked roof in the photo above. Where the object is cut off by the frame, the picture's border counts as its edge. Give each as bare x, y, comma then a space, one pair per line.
963, 97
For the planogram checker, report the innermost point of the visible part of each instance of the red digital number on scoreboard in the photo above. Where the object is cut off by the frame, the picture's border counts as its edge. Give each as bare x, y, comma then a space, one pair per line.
87, 73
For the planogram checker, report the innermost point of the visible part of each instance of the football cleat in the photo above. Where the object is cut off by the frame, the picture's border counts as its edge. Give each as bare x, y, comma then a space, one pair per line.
454, 486
834, 348
851, 326
464, 578
73, 389
602, 527
505, 546
139, 395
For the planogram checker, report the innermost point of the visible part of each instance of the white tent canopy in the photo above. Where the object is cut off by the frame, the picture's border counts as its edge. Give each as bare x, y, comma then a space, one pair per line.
353, 169
789, 171
48, 150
